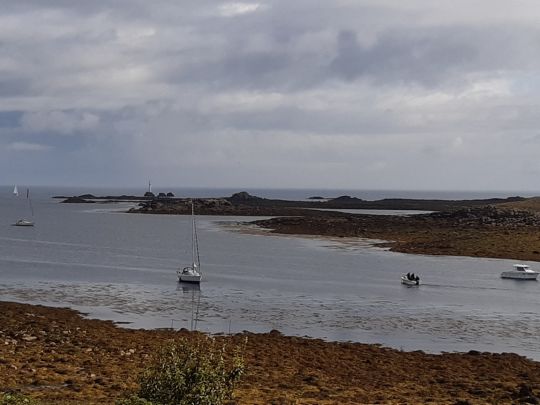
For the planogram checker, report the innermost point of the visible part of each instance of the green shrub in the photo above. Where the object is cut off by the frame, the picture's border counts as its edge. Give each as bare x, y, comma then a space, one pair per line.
187, 372
133, 400
15, 399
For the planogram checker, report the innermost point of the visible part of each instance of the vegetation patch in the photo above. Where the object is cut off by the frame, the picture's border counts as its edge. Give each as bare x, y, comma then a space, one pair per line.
188, 372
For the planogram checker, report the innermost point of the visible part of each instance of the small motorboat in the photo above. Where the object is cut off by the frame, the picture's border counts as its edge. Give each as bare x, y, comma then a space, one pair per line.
24, 222
520, 272
410, 279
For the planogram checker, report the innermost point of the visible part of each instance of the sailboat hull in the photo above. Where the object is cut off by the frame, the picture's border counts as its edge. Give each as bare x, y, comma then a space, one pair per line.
190, 279
189, 275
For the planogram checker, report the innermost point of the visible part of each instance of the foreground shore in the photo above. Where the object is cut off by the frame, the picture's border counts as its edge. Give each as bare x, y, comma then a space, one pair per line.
59, 357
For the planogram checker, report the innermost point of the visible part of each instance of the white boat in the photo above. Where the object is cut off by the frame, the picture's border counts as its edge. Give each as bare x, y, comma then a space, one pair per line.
25, 222
192, 274
407, 281
520, 272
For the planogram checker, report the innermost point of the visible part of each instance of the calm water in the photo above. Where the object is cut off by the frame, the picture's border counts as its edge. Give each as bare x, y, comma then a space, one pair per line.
119, 266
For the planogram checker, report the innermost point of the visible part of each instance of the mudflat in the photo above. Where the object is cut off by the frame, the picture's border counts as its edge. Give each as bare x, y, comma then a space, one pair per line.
58, 357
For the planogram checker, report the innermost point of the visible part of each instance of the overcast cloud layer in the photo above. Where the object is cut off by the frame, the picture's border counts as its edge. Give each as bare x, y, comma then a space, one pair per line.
339, 94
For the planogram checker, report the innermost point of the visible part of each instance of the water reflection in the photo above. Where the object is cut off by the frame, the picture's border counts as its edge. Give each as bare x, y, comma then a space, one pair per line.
188, 287
194, 292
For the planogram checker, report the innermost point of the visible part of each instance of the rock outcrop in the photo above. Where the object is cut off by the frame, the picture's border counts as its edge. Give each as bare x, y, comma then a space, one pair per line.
77, 200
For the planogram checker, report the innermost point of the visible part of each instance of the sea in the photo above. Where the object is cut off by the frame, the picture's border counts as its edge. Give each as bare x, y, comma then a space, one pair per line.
109, 264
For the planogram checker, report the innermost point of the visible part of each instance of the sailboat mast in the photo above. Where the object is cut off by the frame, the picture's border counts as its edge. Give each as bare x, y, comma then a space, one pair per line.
29, 201
193, 234
194, 240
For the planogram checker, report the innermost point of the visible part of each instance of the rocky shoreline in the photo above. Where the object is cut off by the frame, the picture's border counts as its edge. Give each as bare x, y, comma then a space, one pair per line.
491, 231
58, 357
243, 203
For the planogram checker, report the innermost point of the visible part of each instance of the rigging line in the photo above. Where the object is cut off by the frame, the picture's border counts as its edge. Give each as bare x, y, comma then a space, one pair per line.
29, 201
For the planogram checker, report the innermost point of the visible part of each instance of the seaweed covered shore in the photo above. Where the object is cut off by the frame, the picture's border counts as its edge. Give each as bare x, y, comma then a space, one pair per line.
58, 357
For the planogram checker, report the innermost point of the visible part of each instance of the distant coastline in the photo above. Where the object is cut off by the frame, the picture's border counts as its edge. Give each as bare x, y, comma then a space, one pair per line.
243, 203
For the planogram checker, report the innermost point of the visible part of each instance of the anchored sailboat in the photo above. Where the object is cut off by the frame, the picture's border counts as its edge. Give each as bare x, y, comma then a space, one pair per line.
192, 274
25, 222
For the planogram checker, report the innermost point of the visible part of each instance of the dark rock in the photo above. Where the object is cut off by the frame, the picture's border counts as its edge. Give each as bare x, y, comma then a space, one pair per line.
243, 196
310, 379
525, 391
275, 332
77, 200
346, 198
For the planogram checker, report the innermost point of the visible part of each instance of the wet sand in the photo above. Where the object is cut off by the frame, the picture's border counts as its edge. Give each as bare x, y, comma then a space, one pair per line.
59, 357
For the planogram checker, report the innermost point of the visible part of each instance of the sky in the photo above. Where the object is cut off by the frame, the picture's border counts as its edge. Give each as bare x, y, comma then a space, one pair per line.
356, 94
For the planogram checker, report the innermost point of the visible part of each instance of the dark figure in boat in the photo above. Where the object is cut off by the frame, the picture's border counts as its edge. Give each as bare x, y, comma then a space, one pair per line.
413, 277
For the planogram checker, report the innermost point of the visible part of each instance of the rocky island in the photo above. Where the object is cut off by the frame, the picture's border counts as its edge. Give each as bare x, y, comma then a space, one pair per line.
498, 227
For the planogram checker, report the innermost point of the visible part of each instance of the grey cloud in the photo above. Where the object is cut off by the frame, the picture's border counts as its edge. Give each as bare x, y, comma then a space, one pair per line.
300, 121
13, 86
431, 57
10, 119
123, 77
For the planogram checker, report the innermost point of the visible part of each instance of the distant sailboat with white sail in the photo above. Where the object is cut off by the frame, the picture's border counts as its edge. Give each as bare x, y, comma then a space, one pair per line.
23, 221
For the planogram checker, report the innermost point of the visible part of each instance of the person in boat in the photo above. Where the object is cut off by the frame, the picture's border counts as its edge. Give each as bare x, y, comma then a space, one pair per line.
408, 276
417, 279
412, 277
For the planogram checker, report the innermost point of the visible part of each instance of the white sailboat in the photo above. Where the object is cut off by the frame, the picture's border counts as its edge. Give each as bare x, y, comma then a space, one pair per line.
192, 274
25, 222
